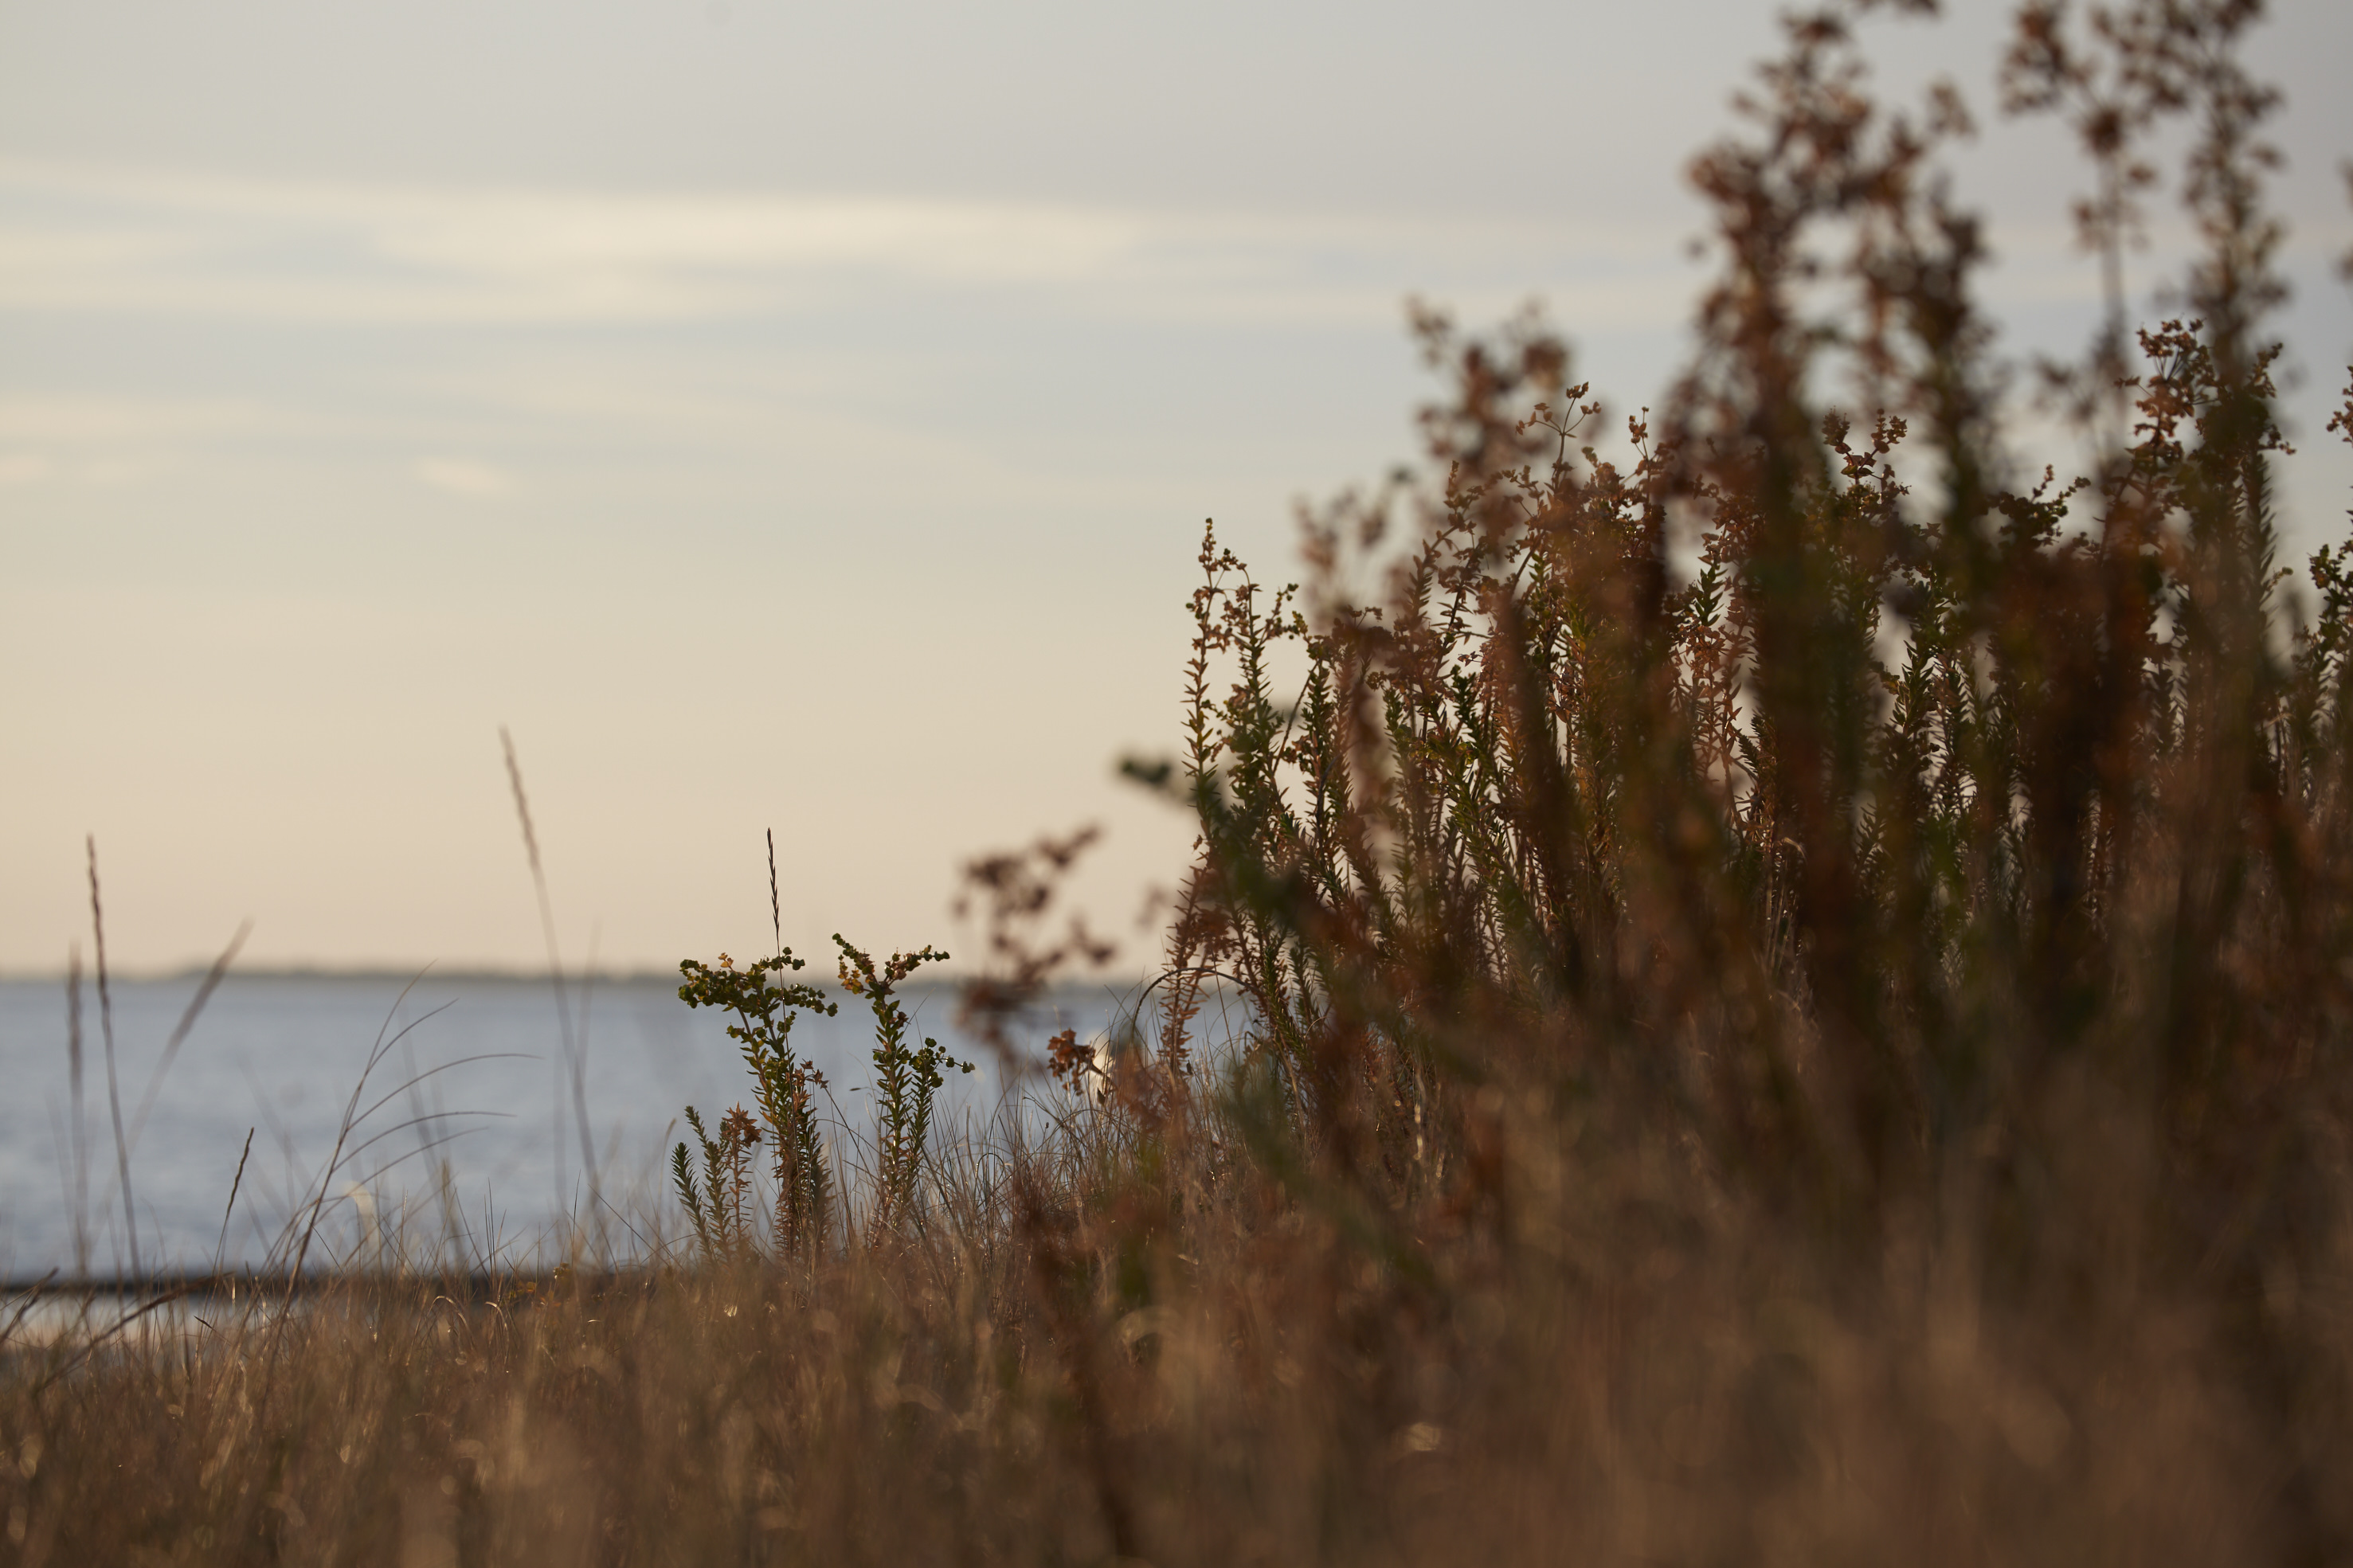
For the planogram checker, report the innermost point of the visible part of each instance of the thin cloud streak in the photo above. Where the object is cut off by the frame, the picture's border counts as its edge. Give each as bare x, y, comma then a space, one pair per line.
88, 239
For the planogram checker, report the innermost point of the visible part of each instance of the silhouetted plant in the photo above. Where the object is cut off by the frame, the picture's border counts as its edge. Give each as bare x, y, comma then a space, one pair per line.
720, 1210
766, 1005
1803, 794
906, 1079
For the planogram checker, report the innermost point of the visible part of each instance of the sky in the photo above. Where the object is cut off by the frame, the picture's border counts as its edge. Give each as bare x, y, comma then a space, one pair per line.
789, 417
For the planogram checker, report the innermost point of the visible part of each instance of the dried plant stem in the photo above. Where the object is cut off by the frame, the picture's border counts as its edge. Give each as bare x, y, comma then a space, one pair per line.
220, 1248
76, 1133
573, 1068
196, 1007
113, 1090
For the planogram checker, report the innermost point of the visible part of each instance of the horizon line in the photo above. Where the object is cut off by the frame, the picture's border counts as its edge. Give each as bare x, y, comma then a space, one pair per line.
480, 975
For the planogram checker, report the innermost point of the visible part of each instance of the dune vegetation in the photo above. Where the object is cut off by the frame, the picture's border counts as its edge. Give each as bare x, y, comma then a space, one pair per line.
1785, 996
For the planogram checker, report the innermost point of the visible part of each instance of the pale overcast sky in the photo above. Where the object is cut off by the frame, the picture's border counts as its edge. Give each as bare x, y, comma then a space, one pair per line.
794, 415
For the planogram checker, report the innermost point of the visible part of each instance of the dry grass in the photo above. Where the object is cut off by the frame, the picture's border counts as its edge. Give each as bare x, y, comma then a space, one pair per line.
1224, 1381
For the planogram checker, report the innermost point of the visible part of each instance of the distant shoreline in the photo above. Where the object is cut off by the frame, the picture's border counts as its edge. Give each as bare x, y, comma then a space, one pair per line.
191, 974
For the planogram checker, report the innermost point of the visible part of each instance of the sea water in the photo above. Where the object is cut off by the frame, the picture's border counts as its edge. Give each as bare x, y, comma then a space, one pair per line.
470, 1120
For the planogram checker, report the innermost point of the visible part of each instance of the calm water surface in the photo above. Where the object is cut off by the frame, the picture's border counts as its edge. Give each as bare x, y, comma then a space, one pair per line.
280, 1057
